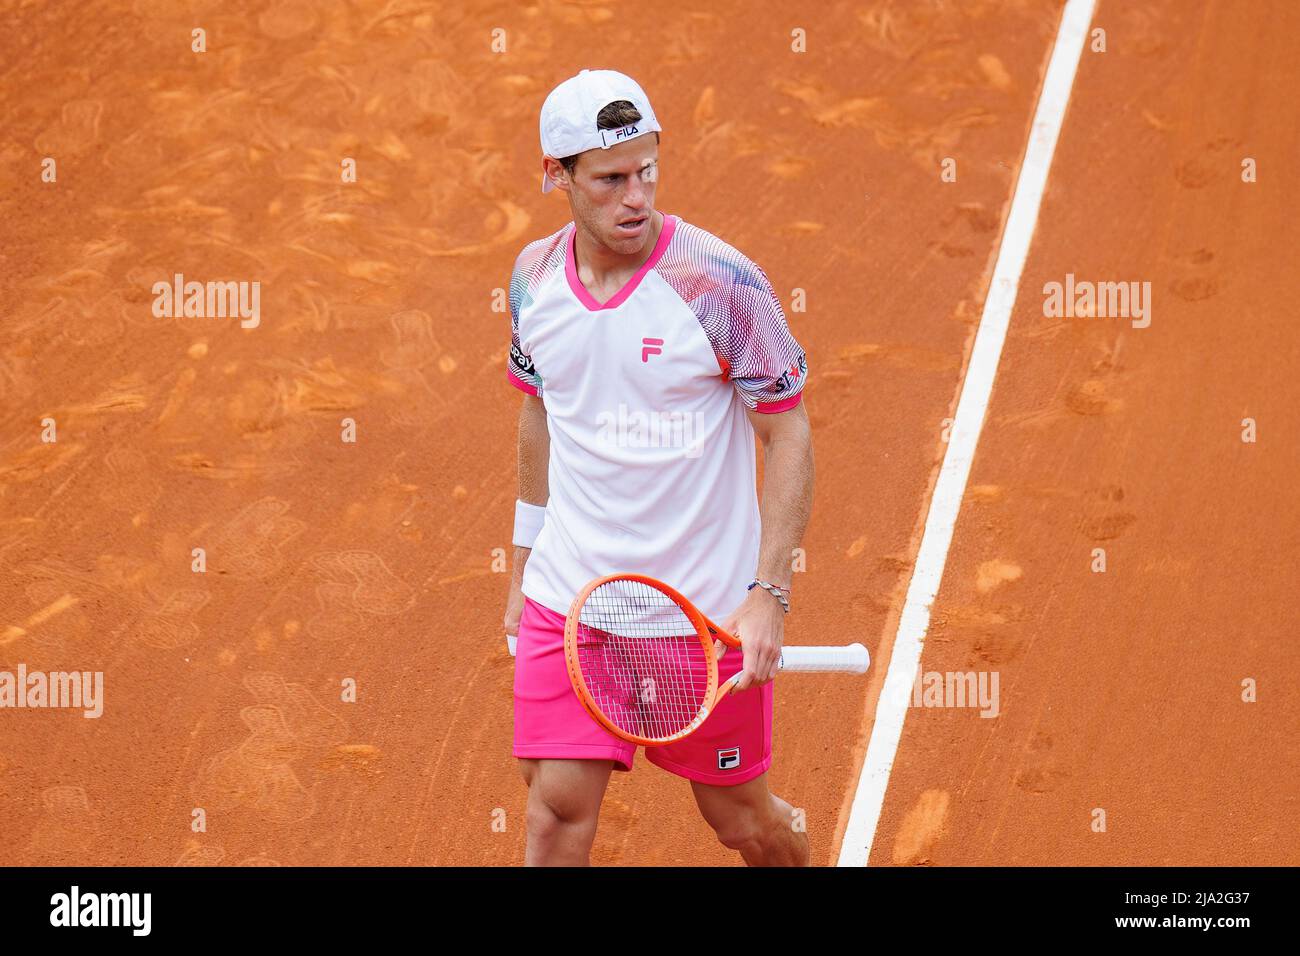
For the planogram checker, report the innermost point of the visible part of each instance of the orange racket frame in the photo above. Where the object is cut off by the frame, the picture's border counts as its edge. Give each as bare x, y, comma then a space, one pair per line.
696, 616
851, 658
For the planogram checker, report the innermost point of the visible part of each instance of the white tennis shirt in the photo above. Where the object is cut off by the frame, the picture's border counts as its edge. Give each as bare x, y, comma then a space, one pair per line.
652, 459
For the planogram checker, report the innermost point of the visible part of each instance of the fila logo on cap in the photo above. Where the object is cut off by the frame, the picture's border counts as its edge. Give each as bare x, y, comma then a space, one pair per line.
608, 137
729, 759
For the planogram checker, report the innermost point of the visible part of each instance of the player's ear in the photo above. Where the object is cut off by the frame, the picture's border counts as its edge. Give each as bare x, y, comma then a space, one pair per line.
555, 171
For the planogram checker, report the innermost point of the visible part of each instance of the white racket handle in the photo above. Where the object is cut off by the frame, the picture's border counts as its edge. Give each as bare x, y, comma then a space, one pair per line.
851, 658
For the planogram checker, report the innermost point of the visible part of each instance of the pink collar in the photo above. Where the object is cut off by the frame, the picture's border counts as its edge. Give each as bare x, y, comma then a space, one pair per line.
580, 290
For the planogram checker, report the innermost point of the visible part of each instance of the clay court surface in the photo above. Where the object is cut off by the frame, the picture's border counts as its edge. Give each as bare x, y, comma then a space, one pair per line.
374, 560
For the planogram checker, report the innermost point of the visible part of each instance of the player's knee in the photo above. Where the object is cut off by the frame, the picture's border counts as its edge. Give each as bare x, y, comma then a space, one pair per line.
543, 825
743, 831
553, 838
550, 812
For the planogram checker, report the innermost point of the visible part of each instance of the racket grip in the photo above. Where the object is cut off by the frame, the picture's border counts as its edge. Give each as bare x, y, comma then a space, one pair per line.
510, 644
851, 658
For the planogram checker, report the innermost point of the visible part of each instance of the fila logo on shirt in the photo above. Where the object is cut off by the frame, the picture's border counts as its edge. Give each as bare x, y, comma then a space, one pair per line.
650, 347
729, 759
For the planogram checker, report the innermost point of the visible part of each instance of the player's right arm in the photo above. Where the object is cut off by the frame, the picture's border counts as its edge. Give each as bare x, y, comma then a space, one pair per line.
534, 447
534, 458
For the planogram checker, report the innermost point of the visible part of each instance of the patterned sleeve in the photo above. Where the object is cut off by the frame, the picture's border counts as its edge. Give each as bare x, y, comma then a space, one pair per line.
741, 315
519, 367
754, 345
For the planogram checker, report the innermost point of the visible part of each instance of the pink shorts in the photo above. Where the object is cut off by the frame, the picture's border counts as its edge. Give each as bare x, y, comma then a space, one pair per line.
733, 746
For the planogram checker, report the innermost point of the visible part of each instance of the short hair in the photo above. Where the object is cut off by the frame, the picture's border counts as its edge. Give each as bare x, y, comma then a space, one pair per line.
615, 115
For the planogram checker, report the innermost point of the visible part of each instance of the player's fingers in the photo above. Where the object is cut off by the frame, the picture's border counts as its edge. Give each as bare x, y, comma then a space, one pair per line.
743, 681
775, 665
719, 649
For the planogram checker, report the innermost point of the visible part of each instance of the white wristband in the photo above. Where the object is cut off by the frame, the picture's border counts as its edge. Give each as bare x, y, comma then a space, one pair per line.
528, 523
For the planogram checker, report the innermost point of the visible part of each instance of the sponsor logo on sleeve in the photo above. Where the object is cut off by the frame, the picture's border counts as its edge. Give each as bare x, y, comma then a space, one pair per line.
520, 360
791, 375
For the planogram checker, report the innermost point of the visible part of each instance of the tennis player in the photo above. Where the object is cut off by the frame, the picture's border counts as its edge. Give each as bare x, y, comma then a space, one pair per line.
650, 353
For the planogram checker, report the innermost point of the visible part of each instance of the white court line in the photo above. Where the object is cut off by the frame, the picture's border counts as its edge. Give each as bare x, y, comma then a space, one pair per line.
864, 815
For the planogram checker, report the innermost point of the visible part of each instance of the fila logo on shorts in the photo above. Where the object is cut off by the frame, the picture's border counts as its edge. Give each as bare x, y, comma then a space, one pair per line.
729, 759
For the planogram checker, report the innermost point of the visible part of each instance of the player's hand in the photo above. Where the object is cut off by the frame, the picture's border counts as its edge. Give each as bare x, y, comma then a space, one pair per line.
514, 609
515, 600
760, 624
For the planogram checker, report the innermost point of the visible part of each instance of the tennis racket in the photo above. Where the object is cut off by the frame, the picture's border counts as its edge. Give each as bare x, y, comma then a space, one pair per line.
642, 661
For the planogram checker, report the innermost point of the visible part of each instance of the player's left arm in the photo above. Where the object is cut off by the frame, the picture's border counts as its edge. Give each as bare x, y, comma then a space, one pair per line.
784, 510
768, 368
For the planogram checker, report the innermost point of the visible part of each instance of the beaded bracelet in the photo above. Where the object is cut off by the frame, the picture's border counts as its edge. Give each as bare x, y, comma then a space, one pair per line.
775, 590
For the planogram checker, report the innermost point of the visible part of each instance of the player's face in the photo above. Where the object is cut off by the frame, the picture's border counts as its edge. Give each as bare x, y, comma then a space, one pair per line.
613, 193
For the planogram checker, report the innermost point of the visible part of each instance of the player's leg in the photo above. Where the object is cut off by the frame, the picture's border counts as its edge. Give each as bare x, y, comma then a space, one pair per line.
565, 756
563, 809
755, 822
726, 761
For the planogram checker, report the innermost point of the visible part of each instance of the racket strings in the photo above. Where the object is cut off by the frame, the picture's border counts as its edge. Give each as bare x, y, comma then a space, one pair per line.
642, 660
